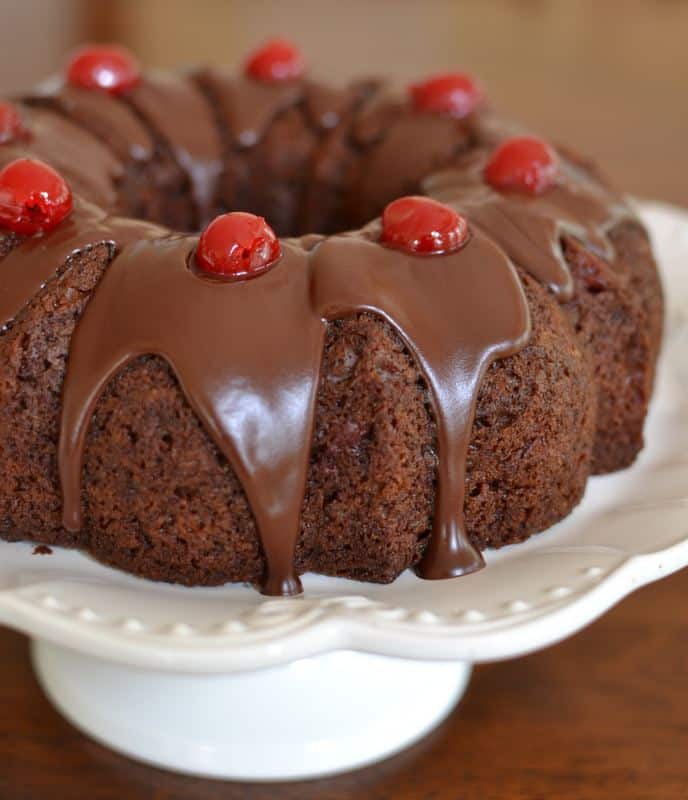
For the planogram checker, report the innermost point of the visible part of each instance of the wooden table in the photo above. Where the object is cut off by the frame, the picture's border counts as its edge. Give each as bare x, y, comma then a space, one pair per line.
603, 715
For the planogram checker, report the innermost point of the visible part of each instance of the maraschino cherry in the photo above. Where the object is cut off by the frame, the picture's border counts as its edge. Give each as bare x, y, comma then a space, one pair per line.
33, 197
238, 245
107, 68
277, 60
422, 225
522, 164
455, 93
11, 125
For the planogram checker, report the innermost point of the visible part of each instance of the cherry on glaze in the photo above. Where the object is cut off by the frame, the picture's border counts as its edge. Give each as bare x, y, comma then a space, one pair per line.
11, 125
107, 68
454, 93
276, 60
522, 164
33, 197
237, 245
422, 225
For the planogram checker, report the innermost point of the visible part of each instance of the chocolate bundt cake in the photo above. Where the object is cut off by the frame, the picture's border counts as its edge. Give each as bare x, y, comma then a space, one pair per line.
459, 326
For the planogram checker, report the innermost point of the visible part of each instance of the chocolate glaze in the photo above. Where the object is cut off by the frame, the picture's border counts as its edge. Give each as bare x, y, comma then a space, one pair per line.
163, 108
414, 146
378, 115
248, 106
326, 106
174, 107
531, 228
225, 341
90, 166
105, 117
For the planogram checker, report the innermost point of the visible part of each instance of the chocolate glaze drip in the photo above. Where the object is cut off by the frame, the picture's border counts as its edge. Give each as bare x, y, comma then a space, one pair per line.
408, 150
456, 314
28, 268
174, 107
248, 106
105, 117
530, 229
377, 115
225, 341
90, 166
167, 106
326, 106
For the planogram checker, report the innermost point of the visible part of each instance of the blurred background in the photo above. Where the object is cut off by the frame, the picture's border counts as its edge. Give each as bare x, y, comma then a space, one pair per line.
608, 76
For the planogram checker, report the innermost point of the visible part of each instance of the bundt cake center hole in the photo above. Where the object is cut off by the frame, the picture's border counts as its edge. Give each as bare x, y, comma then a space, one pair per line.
290, 215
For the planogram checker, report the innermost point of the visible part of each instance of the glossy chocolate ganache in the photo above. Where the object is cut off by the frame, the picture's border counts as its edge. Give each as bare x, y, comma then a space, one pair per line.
247, 352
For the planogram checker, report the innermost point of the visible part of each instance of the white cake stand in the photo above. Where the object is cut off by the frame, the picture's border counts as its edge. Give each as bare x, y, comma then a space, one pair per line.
226, 683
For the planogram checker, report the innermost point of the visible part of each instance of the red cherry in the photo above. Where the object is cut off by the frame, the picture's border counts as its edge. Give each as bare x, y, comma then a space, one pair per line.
238, 245
522, 164
454, 93
33, 197
108, 68
11, 125
422, 225
276, 60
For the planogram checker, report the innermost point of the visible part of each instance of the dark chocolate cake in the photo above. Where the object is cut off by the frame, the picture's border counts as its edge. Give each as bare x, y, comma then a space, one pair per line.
459, 326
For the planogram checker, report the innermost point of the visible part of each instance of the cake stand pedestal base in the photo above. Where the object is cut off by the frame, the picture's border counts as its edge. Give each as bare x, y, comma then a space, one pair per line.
313, 717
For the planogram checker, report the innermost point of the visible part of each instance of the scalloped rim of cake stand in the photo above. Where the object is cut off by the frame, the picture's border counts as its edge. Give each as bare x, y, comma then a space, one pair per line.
537, 593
